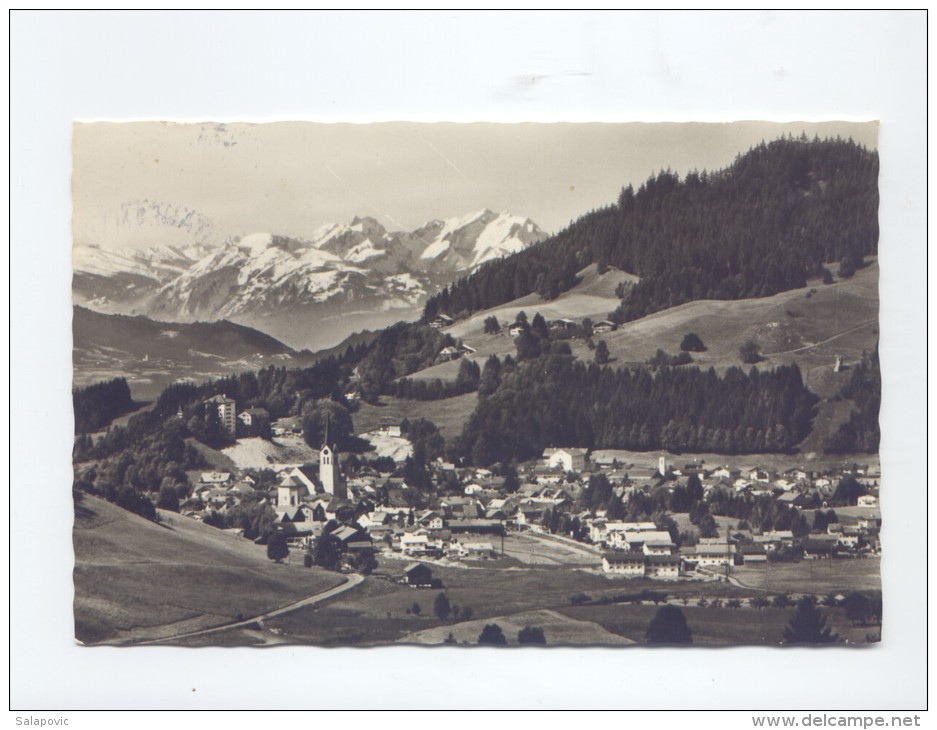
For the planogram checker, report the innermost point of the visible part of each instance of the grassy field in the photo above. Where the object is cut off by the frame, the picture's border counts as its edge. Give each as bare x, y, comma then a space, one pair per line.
714, 626
808, 326
789, 327
449, 414
381, 611
531, 549
557, 628
136, 580
814, 576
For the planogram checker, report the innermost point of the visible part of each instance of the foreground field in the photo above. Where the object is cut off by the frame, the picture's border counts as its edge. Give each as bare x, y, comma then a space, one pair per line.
136, 580
813, 576
557, 629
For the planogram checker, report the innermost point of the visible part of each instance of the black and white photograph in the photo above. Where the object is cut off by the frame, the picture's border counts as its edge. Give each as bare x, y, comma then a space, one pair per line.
464, 384
436, 360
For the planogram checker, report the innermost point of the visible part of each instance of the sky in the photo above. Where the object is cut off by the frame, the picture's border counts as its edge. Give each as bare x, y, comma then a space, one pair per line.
290, 178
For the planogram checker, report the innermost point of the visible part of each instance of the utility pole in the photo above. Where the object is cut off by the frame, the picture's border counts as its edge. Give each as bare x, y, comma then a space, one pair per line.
728, 553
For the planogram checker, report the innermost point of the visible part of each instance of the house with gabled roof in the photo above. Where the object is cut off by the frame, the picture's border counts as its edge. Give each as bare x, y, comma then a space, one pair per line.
418, 575
622, 562
566, 458
663, 567
603, 326
441, 320
290, 492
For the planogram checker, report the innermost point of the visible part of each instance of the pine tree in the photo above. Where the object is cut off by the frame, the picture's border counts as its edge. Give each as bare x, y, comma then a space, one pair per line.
277, 548
669, 627
808, 625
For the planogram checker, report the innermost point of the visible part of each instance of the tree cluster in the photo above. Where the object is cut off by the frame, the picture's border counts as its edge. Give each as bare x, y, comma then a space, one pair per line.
99, 404
861, 432
466, 381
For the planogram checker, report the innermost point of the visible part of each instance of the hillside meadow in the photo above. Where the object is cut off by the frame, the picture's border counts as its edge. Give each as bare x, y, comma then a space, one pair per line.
136, 580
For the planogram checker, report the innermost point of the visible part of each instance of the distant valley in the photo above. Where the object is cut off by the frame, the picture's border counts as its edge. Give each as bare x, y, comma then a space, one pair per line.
151, 354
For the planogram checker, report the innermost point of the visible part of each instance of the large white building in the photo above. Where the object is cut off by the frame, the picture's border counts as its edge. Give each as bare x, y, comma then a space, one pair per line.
227, 413
567, 459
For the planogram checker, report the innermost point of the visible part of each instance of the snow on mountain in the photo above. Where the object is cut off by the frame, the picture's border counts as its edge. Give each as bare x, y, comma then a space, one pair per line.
468, 241
357, 266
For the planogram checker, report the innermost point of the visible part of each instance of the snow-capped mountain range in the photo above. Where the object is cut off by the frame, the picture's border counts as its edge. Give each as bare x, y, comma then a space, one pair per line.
284, 285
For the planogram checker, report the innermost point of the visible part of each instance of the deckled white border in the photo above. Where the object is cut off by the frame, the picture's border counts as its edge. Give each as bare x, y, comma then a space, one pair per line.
452, 66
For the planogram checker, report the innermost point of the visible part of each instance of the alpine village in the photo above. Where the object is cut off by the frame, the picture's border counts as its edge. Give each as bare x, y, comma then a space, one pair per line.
658, 425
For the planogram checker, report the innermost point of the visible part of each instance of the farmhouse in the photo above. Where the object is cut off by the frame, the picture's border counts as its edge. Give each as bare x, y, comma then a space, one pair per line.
600, 328
448, 353
418, 575
817, 547
440, 321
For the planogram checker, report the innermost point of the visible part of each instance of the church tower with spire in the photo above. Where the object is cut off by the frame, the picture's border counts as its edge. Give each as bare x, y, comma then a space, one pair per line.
329, 475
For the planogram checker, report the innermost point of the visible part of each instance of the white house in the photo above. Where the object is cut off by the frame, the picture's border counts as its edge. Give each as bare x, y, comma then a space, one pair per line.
867, 500
715, 553
620, 562
663, 567
415, 543
567, 459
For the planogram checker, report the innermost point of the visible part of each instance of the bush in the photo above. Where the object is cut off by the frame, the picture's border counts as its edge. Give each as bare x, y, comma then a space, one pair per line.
692, 343
749, 352
669, 627
492, 634
601, 353
531, 635
441, 607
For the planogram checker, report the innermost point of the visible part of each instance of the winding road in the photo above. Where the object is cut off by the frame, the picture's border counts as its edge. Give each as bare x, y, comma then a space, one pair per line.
353, 580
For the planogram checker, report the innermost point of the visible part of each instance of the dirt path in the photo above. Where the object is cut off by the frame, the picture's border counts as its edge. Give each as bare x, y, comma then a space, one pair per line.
353, 580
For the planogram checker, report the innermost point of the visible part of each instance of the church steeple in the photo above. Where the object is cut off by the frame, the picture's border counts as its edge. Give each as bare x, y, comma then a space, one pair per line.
329, 474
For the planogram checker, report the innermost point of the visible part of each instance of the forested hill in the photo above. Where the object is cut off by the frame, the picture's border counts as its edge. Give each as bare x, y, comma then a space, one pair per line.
763, 225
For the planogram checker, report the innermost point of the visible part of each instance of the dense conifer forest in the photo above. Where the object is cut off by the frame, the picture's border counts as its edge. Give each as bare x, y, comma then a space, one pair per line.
100, 403
556, 400
764, 225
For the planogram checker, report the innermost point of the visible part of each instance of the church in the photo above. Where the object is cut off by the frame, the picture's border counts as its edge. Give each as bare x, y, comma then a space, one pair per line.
300, 483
